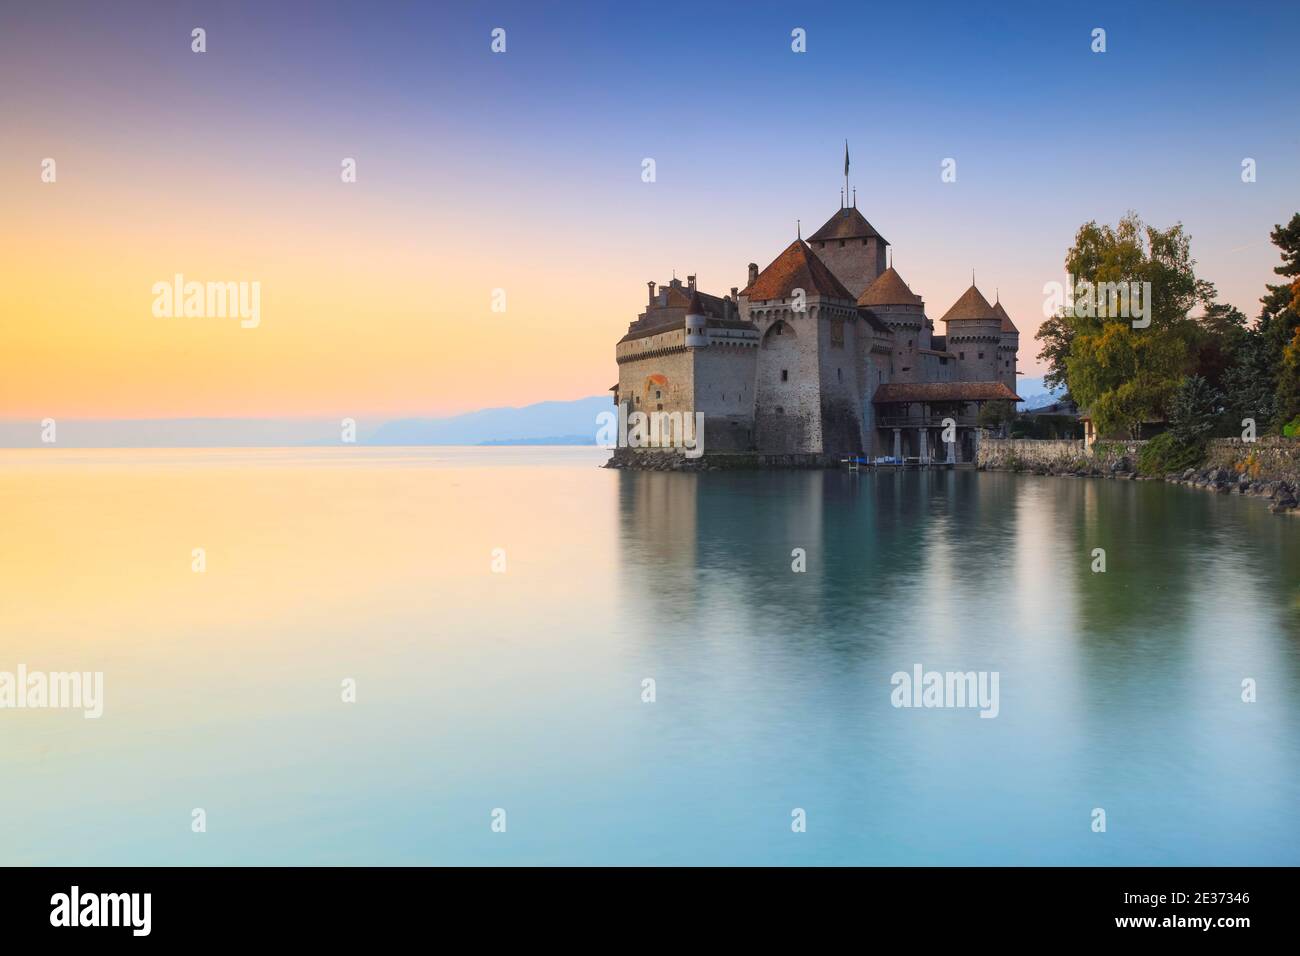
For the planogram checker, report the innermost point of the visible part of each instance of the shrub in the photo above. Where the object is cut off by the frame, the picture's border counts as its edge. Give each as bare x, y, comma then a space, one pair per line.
1165, 454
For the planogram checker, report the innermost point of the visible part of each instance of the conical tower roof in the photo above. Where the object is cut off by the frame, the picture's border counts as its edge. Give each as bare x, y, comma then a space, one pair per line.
971, 305
888, 288
696, 307
1007, 324
847, 223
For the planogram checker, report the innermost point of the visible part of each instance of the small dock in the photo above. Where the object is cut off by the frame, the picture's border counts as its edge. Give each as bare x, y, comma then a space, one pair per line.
888, 462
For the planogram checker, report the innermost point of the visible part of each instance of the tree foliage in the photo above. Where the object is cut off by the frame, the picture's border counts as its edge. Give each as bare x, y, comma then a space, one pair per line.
1194, 410
1125, 376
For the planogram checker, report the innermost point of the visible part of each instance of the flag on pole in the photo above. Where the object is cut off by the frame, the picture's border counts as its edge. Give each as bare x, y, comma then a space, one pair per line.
846, 157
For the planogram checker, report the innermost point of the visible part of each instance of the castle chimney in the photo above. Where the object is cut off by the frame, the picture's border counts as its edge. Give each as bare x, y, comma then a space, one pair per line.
652, 292
753, 272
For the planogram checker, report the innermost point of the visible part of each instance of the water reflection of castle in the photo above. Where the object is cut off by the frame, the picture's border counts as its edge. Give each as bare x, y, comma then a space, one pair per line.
826, 351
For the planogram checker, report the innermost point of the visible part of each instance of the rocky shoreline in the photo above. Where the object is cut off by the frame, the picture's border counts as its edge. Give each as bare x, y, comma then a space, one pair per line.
676, 461
1281, 494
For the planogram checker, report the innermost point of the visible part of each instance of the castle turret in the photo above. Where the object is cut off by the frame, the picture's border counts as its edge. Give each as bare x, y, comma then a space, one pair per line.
974, 335
697, 335
890, 300
1008, 348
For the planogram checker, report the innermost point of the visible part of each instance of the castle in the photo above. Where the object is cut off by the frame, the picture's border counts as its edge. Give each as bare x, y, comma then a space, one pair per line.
825, 353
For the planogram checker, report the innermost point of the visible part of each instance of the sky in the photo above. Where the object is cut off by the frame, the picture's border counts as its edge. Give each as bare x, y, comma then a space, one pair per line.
522, 171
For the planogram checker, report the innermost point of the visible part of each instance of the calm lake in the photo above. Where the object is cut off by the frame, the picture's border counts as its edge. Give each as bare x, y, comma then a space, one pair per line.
512, 679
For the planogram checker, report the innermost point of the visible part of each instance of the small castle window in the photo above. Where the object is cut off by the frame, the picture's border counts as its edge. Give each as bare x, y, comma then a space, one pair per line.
659, 407
780, 410
839, 375
785, 375
981, 355
658, 395
841, 243
962, 356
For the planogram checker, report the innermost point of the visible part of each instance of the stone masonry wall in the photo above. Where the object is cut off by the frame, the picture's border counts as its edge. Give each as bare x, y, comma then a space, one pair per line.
1007, 454
1270, 458
1268, 468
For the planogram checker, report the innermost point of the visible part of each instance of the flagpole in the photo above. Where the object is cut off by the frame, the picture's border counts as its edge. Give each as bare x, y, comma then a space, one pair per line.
846, 170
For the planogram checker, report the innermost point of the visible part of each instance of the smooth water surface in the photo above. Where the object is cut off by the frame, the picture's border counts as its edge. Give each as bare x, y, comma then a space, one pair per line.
522, 690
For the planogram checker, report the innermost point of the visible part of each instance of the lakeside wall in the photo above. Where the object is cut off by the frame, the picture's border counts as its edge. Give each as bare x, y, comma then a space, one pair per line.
1269, 458
1035, 454
1266, 468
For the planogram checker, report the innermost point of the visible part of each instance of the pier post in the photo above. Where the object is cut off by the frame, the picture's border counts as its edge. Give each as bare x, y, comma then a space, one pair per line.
898, 443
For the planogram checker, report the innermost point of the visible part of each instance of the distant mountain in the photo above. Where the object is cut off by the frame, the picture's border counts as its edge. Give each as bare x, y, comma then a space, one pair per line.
174, 433
550, 440
545, 423
1035, 393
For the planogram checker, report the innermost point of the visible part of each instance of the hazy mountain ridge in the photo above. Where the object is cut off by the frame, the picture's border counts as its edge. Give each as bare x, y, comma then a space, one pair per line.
542, 423
1035, 394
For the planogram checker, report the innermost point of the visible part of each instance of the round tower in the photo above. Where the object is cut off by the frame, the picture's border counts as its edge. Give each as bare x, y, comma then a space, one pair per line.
890, 300
974, 336
1007, 348
697, 334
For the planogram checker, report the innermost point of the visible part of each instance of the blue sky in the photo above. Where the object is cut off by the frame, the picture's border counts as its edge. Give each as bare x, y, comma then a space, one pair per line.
522, 170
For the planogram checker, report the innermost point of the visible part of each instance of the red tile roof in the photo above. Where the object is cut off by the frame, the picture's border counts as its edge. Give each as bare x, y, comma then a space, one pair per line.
971, 305
1007, 324
796, 268
847, 223
944, 392
888, 288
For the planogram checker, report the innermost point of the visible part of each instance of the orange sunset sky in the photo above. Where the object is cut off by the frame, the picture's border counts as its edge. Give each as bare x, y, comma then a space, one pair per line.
522, 171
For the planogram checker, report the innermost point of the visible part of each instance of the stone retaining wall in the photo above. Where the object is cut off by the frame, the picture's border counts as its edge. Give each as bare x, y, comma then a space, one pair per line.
1267, 468
1032, 454
1270, 458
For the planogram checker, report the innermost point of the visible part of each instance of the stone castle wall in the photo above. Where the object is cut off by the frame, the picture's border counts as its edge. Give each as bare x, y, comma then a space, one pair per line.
787, 415
724, 392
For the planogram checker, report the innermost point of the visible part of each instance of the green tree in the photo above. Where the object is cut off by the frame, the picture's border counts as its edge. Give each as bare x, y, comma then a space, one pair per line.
1250, 383
994, 415
1057, 336
1194, 410
1124, 375
1217, 339
1279, 320
1288, 387
1262, 380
